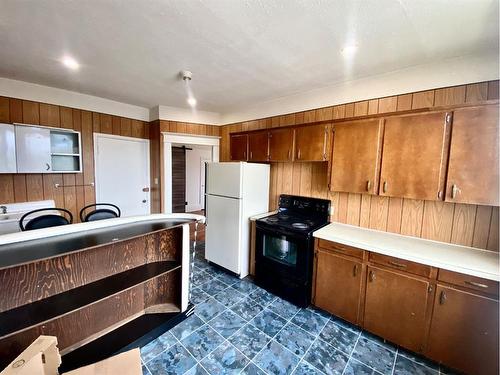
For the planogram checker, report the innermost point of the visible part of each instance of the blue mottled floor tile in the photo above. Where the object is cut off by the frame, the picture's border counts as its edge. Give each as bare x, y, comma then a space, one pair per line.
341, 338
283, 308
227, 278
345, 324
404, 366
378, 340
251, 369
357, 368
200, 277
374, 355
418, 358
249, 340
295, 339
145, 370
209, 309
263, 297
226, 359
196, 370
319, 311
229, 297
186, 327
268, 322
227, 323
173, 361
155, 347
213, 287
309, 321
201, 263
247, 308
202, 342
275, 359
326, 358
198, 296
305, 368
245, 286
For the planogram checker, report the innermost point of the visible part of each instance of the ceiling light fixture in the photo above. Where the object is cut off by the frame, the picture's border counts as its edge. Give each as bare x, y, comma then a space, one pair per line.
186, 77
349, 51
70, 63
191, 101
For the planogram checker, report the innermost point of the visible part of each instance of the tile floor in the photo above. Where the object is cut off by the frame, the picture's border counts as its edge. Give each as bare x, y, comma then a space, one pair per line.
239, 328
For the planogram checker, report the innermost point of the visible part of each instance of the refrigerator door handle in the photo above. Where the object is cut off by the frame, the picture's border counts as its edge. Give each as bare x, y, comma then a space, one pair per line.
205, 192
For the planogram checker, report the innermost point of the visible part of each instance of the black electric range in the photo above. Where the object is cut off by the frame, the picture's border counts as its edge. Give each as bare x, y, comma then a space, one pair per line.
284, 250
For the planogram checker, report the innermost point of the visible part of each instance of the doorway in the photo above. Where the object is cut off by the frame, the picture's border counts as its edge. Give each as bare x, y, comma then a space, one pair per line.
196, 157
122, 173
179, 179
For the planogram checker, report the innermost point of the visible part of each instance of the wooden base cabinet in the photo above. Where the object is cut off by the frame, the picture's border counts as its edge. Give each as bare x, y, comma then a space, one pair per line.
395, 307
464, 331
345, 277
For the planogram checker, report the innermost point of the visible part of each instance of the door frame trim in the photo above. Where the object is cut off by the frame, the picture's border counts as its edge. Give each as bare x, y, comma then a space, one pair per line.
123, 138
170, 139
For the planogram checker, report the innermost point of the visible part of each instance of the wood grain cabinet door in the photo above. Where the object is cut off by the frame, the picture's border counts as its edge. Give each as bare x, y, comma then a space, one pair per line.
473, 166
414, 156
281, 144
258, 146
395, 307
356, 156
311, 143
464, 331
338, 285
238, 144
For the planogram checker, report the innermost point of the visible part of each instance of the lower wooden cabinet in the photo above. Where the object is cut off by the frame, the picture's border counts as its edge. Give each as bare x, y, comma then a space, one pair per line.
395, 307
345, 277
464, 331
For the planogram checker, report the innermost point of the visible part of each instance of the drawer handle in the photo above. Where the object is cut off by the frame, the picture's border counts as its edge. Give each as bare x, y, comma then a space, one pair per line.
479, 285
396, 264
368, 185
442, 297
371, 276
355, 270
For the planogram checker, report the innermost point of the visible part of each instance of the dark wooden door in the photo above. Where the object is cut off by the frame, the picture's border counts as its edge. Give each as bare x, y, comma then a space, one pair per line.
395, 307
281, 144
338, 285
464, 331
258, 146
473, 167
414, 155
311, 143
239, 147
178, 179
356, 156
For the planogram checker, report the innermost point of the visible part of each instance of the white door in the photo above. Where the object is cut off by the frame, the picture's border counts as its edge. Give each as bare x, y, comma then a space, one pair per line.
122, 173
223, 232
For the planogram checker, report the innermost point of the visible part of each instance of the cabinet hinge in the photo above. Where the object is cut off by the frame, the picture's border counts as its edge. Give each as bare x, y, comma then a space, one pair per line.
448, 118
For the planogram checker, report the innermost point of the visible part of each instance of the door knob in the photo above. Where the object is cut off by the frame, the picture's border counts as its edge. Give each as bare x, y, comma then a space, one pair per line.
144, 201
146, 190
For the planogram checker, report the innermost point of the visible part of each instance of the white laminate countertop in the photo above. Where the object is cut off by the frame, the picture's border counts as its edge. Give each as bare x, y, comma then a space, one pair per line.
81, 227
261, 216
462, 259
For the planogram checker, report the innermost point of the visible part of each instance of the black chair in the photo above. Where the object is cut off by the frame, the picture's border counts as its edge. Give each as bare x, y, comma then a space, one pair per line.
45, 221
100, 213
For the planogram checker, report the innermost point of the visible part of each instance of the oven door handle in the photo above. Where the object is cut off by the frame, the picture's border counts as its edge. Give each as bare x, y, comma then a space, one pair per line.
281, 232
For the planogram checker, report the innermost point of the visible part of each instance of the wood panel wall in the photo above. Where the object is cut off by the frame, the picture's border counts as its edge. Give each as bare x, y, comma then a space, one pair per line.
463, 224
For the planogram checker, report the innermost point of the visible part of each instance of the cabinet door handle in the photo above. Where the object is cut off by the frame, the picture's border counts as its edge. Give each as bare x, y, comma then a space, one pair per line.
384, 187
454, 191
368, 185
396, 264
244, 154
251, 154
298, 154
442, 297
355, 270
289, 154
371, 276
47, 166
478, 285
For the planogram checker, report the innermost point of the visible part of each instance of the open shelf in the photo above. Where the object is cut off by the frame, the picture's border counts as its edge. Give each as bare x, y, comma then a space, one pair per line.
76, 298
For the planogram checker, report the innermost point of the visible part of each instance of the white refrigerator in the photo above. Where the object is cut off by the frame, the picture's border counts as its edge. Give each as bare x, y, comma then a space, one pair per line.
235, 191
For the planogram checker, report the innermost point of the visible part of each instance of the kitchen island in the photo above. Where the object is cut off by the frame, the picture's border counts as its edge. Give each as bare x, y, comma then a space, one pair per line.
99, 287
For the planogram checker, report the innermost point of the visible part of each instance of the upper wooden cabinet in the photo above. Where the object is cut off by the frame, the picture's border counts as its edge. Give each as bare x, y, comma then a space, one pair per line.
281, 144
258, 146
414, 156
238, 144
356, 156
395, 307
473, 166
311, 143
464, 331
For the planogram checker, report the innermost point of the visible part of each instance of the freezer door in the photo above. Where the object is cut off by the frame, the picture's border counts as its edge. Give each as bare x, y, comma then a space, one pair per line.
223, 232
224, 179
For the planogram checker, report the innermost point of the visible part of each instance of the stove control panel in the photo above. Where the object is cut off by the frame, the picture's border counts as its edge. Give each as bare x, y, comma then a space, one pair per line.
304, 204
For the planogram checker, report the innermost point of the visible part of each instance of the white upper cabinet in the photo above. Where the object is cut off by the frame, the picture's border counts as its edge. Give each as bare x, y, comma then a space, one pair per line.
7, 149
33, 149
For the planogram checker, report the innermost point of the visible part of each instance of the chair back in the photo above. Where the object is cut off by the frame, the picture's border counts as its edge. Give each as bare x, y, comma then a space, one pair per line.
45, 221
100, 213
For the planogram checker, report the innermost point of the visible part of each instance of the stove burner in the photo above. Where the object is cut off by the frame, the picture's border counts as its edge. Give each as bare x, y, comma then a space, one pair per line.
272, 219
284, 217
300, 225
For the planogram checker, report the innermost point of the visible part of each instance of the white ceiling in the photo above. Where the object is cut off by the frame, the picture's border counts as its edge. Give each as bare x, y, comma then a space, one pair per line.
241, 52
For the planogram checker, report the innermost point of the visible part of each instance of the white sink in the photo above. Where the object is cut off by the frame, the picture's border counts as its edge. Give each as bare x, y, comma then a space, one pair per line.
11, 216
9, 222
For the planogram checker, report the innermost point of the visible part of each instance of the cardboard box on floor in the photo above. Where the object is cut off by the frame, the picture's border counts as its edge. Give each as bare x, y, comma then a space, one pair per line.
42, 358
